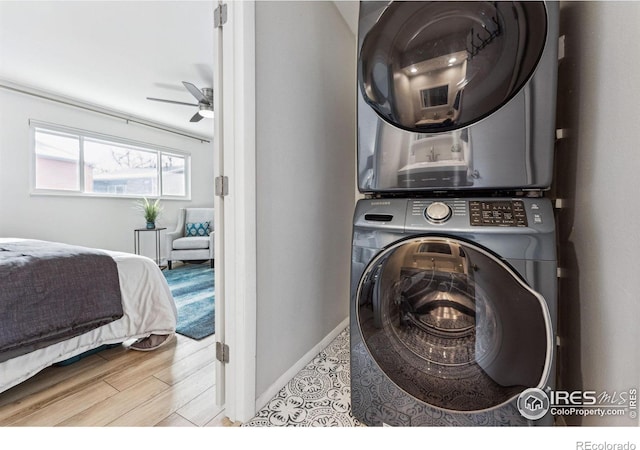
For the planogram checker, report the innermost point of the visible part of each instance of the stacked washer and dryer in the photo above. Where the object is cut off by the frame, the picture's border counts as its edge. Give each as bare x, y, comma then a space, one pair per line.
453, 292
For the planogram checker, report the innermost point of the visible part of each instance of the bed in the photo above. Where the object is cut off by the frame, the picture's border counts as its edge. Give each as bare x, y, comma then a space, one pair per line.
147, 308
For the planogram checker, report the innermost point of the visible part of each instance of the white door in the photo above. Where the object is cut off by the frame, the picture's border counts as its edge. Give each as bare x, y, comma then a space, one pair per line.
234, 156
219, 218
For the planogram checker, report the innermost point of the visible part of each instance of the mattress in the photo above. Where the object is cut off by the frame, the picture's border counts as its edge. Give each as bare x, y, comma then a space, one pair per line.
148, 308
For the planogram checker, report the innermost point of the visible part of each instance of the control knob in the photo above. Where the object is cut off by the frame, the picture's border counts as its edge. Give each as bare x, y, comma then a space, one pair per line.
438, 212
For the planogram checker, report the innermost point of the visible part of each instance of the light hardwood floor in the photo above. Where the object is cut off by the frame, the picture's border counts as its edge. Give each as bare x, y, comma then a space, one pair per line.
173, 386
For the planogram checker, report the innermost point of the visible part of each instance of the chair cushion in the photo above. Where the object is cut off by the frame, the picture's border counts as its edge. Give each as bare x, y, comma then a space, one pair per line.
196, 229
196, 215
191, 243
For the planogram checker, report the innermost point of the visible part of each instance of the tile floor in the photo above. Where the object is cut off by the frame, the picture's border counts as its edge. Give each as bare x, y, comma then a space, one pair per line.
318, 396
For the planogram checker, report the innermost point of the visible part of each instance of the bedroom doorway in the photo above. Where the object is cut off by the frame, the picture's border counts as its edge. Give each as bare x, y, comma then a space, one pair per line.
235, 206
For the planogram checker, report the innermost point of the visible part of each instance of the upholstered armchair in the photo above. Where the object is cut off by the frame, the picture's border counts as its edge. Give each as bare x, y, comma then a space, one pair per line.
193, 237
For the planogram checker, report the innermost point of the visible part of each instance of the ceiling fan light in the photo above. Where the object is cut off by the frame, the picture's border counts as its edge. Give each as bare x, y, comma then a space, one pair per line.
206, 111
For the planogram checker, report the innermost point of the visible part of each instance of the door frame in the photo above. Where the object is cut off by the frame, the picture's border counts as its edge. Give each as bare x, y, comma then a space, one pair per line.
235, 157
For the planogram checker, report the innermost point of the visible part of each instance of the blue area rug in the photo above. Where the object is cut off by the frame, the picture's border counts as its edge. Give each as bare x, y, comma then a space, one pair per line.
192, 286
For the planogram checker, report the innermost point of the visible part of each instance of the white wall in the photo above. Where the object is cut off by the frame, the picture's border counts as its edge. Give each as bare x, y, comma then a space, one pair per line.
96, 222
305, 119
598, 168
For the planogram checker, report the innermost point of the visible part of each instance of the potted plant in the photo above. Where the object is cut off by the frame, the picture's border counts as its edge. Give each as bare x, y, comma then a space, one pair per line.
151, 211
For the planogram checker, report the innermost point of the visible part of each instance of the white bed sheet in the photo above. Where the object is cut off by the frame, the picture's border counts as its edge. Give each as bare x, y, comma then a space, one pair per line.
148, 308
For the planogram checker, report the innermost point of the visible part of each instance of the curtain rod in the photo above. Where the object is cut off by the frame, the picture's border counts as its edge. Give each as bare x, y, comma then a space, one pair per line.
33, 93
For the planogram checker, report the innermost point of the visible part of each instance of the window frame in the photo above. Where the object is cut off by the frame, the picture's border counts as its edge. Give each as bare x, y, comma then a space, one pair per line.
81, 134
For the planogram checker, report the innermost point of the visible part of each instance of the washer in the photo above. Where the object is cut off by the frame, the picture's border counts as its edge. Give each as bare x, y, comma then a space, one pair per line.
453, 293
456, 95
453, 309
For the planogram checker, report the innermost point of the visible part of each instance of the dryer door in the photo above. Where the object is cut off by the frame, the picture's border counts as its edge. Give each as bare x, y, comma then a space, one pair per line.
440, 66
452, 325
456, 95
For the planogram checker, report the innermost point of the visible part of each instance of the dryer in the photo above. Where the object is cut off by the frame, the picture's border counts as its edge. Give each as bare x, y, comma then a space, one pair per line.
456, 95
453, 291
453, 310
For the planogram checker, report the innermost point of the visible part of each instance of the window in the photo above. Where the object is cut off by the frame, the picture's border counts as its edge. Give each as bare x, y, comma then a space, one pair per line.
172, 174
84, 163
437, 96
57, 161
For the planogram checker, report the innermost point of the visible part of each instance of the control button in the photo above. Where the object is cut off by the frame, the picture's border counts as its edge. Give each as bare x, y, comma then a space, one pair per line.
438, 212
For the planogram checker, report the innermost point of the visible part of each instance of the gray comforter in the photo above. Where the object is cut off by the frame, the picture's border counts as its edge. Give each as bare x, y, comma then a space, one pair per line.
50, 292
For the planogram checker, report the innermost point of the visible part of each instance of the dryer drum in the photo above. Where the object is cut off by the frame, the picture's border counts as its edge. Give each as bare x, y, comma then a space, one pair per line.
452, 325
441, 66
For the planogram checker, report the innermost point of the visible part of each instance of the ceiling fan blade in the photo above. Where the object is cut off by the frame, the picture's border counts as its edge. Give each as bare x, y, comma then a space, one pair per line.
196, 117
171, 101
196, 92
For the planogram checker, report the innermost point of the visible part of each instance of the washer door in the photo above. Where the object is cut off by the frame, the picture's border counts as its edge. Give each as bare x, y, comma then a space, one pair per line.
440, 66
452, 325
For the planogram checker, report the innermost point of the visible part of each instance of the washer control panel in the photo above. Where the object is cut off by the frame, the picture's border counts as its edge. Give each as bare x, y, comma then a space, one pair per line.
504, 213
485, 215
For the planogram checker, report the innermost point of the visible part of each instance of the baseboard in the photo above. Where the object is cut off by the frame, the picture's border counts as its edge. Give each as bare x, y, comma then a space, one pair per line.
281, 382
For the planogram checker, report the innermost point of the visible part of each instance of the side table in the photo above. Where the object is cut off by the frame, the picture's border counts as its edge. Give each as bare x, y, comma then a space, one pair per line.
136, 240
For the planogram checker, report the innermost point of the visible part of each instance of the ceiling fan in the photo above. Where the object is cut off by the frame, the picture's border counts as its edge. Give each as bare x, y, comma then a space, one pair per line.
204, 97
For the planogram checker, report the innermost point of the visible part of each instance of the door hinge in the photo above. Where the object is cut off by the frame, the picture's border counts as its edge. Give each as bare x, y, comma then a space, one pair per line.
222, 186
561, 47
222, 352
220, 15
